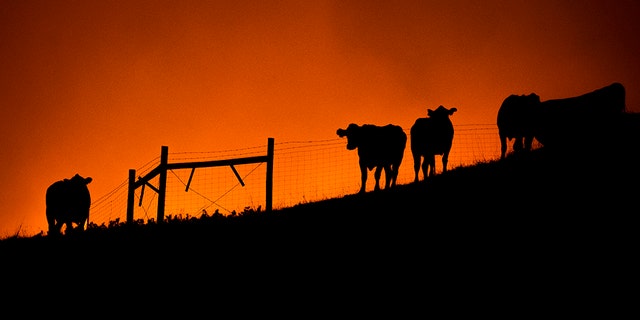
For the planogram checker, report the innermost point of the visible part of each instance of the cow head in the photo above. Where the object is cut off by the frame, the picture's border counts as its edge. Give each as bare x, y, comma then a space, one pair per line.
353, 138
79, 180
441, 112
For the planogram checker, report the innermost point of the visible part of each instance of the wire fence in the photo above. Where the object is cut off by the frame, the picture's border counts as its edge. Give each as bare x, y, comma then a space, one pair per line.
304, 171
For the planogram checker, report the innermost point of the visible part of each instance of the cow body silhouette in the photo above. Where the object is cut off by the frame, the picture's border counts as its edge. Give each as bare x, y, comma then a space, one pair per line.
431, 136
517, 119
559, 123
379, 147
68, 201
580, 121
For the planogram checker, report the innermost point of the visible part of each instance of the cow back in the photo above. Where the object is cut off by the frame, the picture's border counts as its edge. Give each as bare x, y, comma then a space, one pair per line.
591, 116
430, 136
379, 145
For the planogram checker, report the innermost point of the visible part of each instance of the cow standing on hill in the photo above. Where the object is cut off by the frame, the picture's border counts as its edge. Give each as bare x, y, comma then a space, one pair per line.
580, 121
379, 147
431, 136
571, 122
68, 202
517, 118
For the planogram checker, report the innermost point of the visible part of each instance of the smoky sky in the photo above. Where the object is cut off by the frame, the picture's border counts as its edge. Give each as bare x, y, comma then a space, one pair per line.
95, 87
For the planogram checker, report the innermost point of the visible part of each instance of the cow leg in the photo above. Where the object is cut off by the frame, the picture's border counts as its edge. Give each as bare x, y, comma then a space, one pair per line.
57, 227
503, 146
363, 178
394, 174
54, 229
388, 177
81, 225
445, 161
416, 167
69, 228
425, 167
53, 226
432, 164
377, 175
517, 145
528, 142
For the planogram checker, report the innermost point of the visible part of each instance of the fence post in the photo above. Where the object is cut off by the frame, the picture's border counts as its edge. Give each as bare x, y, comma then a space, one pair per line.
130, 194
162, 184
269, 187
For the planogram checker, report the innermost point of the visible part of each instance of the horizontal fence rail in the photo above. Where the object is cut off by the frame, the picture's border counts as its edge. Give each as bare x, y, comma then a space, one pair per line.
303, 171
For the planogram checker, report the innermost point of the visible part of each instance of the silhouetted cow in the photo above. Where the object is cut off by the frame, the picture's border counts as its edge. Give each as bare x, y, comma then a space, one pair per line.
517, 120
559, 123
68, 202
430, 137
580, 121
380, 147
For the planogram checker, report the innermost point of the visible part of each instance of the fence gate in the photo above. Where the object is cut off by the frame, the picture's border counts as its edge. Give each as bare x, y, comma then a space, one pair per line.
164, 165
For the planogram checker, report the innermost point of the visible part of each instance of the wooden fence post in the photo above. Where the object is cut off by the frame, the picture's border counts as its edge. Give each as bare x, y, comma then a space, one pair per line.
162, 184
269, 190
130, 194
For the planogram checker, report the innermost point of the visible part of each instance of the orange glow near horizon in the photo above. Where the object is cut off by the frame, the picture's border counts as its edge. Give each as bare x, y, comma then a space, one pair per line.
96, 88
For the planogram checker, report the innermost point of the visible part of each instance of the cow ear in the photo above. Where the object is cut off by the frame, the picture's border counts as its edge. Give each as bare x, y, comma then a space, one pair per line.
341, 132
88, 180
452, 110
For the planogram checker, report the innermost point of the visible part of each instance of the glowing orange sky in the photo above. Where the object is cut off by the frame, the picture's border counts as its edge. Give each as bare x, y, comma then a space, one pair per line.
96, 87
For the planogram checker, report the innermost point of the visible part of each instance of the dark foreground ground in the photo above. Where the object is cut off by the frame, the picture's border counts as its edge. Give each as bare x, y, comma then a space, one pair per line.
527, 234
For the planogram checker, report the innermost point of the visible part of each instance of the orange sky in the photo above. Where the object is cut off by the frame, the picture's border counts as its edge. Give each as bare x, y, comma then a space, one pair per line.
97, 87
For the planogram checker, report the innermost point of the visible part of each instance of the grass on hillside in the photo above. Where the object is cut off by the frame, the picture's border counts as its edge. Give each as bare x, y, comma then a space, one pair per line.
521, 188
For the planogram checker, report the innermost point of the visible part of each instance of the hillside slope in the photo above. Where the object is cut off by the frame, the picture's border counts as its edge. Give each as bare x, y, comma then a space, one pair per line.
541, 197
537, 233
549, 231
